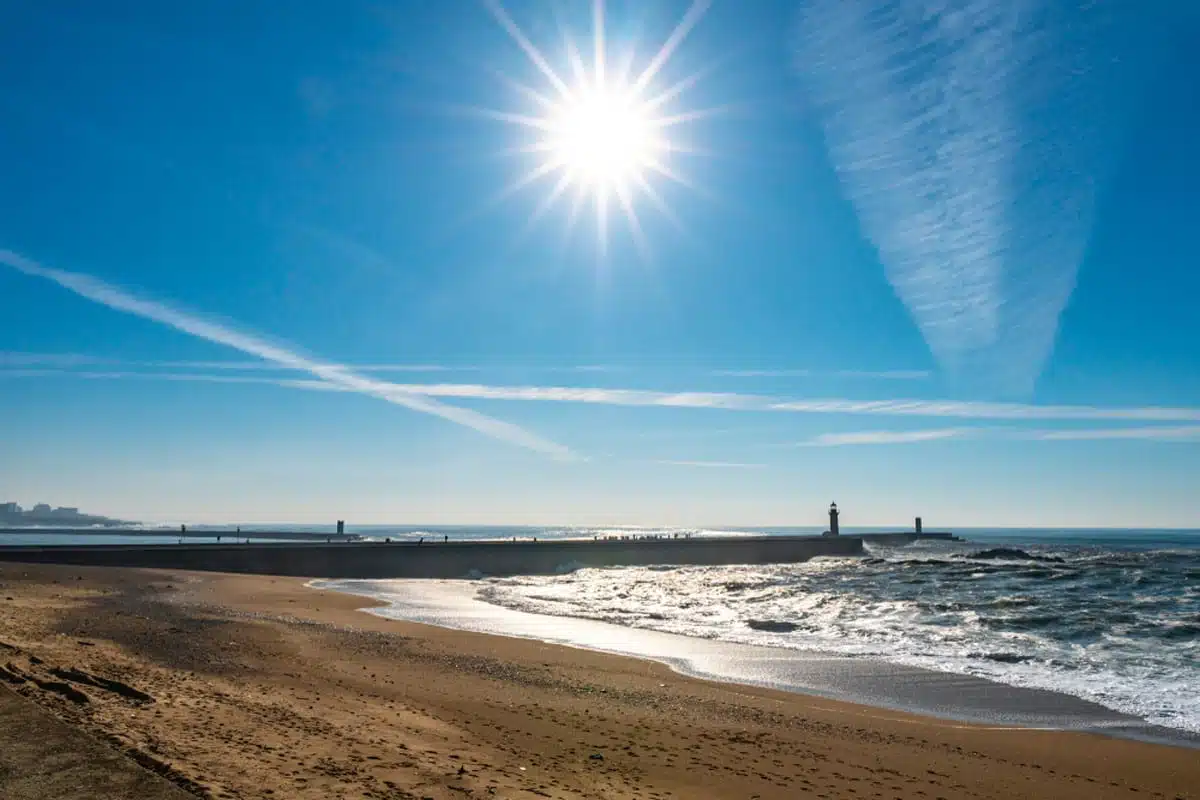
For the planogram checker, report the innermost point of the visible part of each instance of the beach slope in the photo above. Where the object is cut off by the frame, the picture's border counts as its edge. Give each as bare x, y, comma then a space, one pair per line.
256, 687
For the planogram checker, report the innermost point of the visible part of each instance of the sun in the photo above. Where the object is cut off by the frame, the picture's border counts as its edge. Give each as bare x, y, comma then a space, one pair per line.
604, 134
604, 138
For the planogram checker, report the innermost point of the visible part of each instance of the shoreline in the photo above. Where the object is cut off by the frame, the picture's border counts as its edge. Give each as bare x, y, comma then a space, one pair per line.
871, 683
260, 687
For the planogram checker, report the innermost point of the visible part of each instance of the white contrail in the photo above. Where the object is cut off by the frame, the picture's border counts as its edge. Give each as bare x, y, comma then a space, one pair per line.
891, 374
885, 437
82, 360
78, 360
119, 300
969, 135
724, 401
710, 464
1184, 433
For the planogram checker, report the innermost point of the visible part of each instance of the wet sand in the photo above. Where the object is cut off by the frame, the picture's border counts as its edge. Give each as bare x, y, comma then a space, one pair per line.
455, 604
257, 687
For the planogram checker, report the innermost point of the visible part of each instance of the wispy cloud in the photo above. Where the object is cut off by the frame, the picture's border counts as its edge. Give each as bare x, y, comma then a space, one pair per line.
763, 373
61, 360
711, 464
252, 365
884, 437
70, 360
893, 375
991, 411
943, 124
1187, 433
595, 368
117, 299
1154, 433
754, 402
728, 401
890, 374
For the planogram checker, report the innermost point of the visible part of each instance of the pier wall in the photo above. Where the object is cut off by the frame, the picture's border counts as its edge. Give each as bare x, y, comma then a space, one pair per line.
441, 560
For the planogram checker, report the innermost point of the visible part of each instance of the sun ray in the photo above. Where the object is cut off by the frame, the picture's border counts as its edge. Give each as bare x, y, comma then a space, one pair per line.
525, 90
693, 16
670, 174
690, 116
577, 65
576, 205
676, 89
574, 57
602, 220
667, 172
635, 225
535, 55
682, 180
657, 201
688, 149
537, 123
544, 207
625, 67
550, 147
564, 181
528, 148
598, 45
607, 136
532, 176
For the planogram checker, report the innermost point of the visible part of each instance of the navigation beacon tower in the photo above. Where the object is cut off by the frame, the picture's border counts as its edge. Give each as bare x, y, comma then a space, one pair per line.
833, 520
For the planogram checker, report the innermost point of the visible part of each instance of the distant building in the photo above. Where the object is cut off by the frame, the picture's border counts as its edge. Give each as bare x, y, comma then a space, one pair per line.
41, 515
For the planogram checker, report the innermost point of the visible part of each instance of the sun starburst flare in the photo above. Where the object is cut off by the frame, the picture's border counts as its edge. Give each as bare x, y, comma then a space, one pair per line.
602, 135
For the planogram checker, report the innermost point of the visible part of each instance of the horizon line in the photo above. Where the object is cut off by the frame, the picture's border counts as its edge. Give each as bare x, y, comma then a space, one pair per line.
939, 526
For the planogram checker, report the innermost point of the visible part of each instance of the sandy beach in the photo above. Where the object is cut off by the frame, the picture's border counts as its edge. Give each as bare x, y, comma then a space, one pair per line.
258, 687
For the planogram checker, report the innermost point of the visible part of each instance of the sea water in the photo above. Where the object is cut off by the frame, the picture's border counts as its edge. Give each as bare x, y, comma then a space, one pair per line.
1108, 616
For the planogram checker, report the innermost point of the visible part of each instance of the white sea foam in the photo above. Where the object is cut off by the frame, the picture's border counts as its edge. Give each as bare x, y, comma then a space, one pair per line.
1120, 629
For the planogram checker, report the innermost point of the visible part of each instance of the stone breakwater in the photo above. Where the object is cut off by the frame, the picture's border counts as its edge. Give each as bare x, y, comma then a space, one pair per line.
445, 559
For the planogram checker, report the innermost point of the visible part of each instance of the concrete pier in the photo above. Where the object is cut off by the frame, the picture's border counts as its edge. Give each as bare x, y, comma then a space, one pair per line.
443, 559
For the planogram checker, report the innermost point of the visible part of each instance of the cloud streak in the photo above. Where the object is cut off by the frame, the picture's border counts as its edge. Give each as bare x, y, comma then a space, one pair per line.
711, 464
117, 299
892, 375
726, 401
73, 360
1145, 433
1187, 433
70, 360
969, 137
884, 437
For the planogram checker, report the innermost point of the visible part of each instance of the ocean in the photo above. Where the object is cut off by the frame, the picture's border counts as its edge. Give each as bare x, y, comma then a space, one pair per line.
1107, 616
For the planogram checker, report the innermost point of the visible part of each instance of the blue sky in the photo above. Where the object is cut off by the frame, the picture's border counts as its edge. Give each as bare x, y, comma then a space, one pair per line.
265, 267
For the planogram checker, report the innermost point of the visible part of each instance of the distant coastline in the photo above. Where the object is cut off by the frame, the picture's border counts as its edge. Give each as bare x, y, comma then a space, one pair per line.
44, 516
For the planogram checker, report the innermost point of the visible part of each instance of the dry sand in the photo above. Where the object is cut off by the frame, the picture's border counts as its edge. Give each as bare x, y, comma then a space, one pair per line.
257, 687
